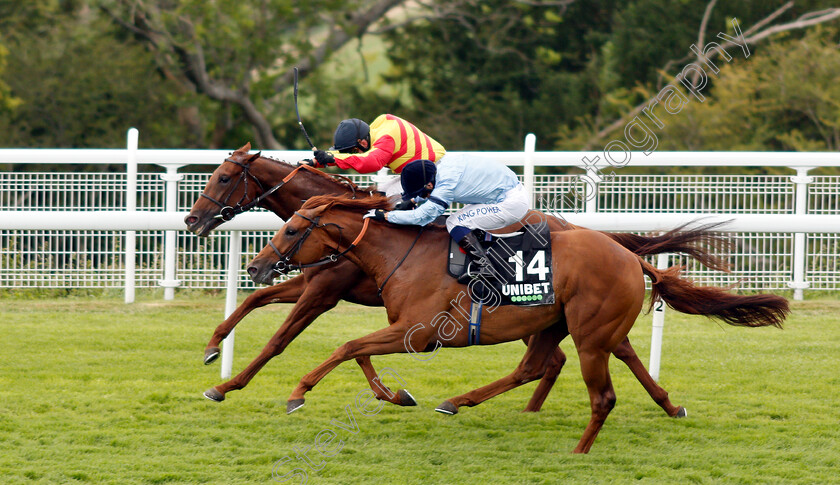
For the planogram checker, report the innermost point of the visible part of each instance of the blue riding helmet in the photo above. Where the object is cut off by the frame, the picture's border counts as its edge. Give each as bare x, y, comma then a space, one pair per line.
348, 134
414, 177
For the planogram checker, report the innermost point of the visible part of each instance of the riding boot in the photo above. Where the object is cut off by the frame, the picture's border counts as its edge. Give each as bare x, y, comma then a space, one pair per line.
481, 264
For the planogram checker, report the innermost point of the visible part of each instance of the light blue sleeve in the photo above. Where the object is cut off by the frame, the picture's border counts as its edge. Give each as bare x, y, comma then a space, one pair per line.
420, 216
444, 190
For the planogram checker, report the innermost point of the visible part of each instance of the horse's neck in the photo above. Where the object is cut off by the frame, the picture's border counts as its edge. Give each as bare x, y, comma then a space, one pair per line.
285, 201
384, 247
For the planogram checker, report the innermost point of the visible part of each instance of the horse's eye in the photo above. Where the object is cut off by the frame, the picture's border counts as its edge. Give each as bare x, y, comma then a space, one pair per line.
224, 179
291, 231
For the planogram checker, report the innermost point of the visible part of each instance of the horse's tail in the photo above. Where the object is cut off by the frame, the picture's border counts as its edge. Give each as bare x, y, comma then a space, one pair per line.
738, 310
679, 240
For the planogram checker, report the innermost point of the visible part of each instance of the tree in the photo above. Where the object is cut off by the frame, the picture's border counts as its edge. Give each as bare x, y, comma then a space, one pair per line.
241, 53
785, 98
760, 22
74, 85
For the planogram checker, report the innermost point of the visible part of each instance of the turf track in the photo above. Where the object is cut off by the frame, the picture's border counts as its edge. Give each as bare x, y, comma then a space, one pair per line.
94, 391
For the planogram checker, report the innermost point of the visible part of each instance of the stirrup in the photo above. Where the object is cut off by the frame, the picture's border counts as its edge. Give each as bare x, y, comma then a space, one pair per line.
485, 269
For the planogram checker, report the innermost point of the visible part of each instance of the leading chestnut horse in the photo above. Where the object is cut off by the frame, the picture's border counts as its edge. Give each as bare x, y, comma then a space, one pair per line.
246, 180
598, 285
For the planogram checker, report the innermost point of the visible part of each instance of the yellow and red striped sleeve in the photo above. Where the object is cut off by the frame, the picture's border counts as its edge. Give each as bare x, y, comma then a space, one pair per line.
395, 142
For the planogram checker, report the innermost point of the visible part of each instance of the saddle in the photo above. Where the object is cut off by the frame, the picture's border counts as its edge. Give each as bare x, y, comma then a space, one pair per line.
522, 264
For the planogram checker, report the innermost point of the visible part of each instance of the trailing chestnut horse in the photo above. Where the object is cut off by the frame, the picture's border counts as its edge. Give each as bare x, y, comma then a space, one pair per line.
245, 180
598, 285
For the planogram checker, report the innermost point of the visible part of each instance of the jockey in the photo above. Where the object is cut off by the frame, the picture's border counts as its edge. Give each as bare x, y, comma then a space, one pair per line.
389, 141
494, 196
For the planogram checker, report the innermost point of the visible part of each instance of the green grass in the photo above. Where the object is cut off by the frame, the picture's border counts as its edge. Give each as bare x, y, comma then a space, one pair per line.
101, 392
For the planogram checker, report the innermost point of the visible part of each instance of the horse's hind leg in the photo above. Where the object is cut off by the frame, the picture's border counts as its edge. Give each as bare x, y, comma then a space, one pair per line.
594, 365
541, 348
626, 354
623, 352
286, 292
553, 367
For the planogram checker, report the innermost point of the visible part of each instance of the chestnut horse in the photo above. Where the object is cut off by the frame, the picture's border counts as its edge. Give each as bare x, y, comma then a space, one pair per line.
246, 180
598, 285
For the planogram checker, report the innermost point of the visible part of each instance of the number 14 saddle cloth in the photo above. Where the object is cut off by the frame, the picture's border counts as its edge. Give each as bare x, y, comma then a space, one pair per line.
522, 267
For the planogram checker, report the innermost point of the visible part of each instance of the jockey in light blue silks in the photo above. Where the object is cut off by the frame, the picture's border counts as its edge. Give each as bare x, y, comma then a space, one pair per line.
493, 195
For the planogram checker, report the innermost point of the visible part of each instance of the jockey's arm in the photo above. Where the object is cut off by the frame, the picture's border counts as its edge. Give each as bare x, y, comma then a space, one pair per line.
370, 161
439, 200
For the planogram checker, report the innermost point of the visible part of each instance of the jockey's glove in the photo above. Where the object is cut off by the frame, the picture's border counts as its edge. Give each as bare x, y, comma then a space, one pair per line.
405, 205
307, 161
322, 158
376, 215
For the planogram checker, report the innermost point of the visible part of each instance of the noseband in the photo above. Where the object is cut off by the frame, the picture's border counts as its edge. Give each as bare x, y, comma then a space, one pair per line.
284, 266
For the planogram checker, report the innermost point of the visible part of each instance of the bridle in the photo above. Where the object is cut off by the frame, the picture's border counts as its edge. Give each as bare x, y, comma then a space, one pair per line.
283, 266
228, 212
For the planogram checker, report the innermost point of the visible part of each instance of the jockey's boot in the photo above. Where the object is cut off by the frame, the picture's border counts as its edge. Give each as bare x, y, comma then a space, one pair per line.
481, 265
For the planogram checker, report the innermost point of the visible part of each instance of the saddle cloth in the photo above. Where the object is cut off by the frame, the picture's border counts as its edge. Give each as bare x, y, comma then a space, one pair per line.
522, 263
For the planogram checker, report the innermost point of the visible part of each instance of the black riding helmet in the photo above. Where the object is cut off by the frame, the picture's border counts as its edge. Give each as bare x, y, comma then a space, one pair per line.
348, 134
414, 177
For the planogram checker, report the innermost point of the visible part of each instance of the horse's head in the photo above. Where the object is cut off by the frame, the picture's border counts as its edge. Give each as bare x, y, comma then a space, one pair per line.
231, 185
317, 233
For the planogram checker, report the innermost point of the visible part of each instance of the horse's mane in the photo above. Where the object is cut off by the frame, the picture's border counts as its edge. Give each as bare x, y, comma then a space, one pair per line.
359, 205
336, 179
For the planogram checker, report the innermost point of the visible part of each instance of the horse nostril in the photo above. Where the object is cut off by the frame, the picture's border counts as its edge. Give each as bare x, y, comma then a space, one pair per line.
252, 270
190, 220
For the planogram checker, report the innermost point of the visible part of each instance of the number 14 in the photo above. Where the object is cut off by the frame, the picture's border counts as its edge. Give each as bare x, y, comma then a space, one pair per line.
536, 266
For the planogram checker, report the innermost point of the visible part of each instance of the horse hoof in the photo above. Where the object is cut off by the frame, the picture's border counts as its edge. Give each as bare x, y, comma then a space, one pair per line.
293, 405
681, 413
210, 355
214, 395
447, 408
406, 399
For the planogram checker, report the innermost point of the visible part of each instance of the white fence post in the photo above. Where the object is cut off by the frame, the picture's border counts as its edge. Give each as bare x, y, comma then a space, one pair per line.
591, 204
170, 244
658, 326
801, 179
528, 166
131, 205
230, 299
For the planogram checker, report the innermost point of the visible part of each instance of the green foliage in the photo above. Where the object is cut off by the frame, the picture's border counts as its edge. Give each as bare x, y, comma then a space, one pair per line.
79, 87
102, 392
7, 101
783, 98
479, 76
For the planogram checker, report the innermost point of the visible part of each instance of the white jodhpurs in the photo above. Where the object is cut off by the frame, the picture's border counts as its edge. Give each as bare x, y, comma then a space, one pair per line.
487, 217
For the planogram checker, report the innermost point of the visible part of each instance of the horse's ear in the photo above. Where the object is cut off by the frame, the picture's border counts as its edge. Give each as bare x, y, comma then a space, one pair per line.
254, 157
317, 211
245, 148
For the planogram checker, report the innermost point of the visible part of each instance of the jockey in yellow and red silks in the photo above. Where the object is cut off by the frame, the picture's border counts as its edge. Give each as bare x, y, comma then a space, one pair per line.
389, 141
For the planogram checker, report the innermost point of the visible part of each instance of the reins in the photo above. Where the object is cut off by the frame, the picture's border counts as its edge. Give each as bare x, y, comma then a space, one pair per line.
382, 286
283, 266
228, 212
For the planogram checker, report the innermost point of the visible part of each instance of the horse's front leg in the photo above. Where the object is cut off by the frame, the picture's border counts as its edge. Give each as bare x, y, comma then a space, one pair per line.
386, 341
318, 297
288, 291
380, 390
542, 349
